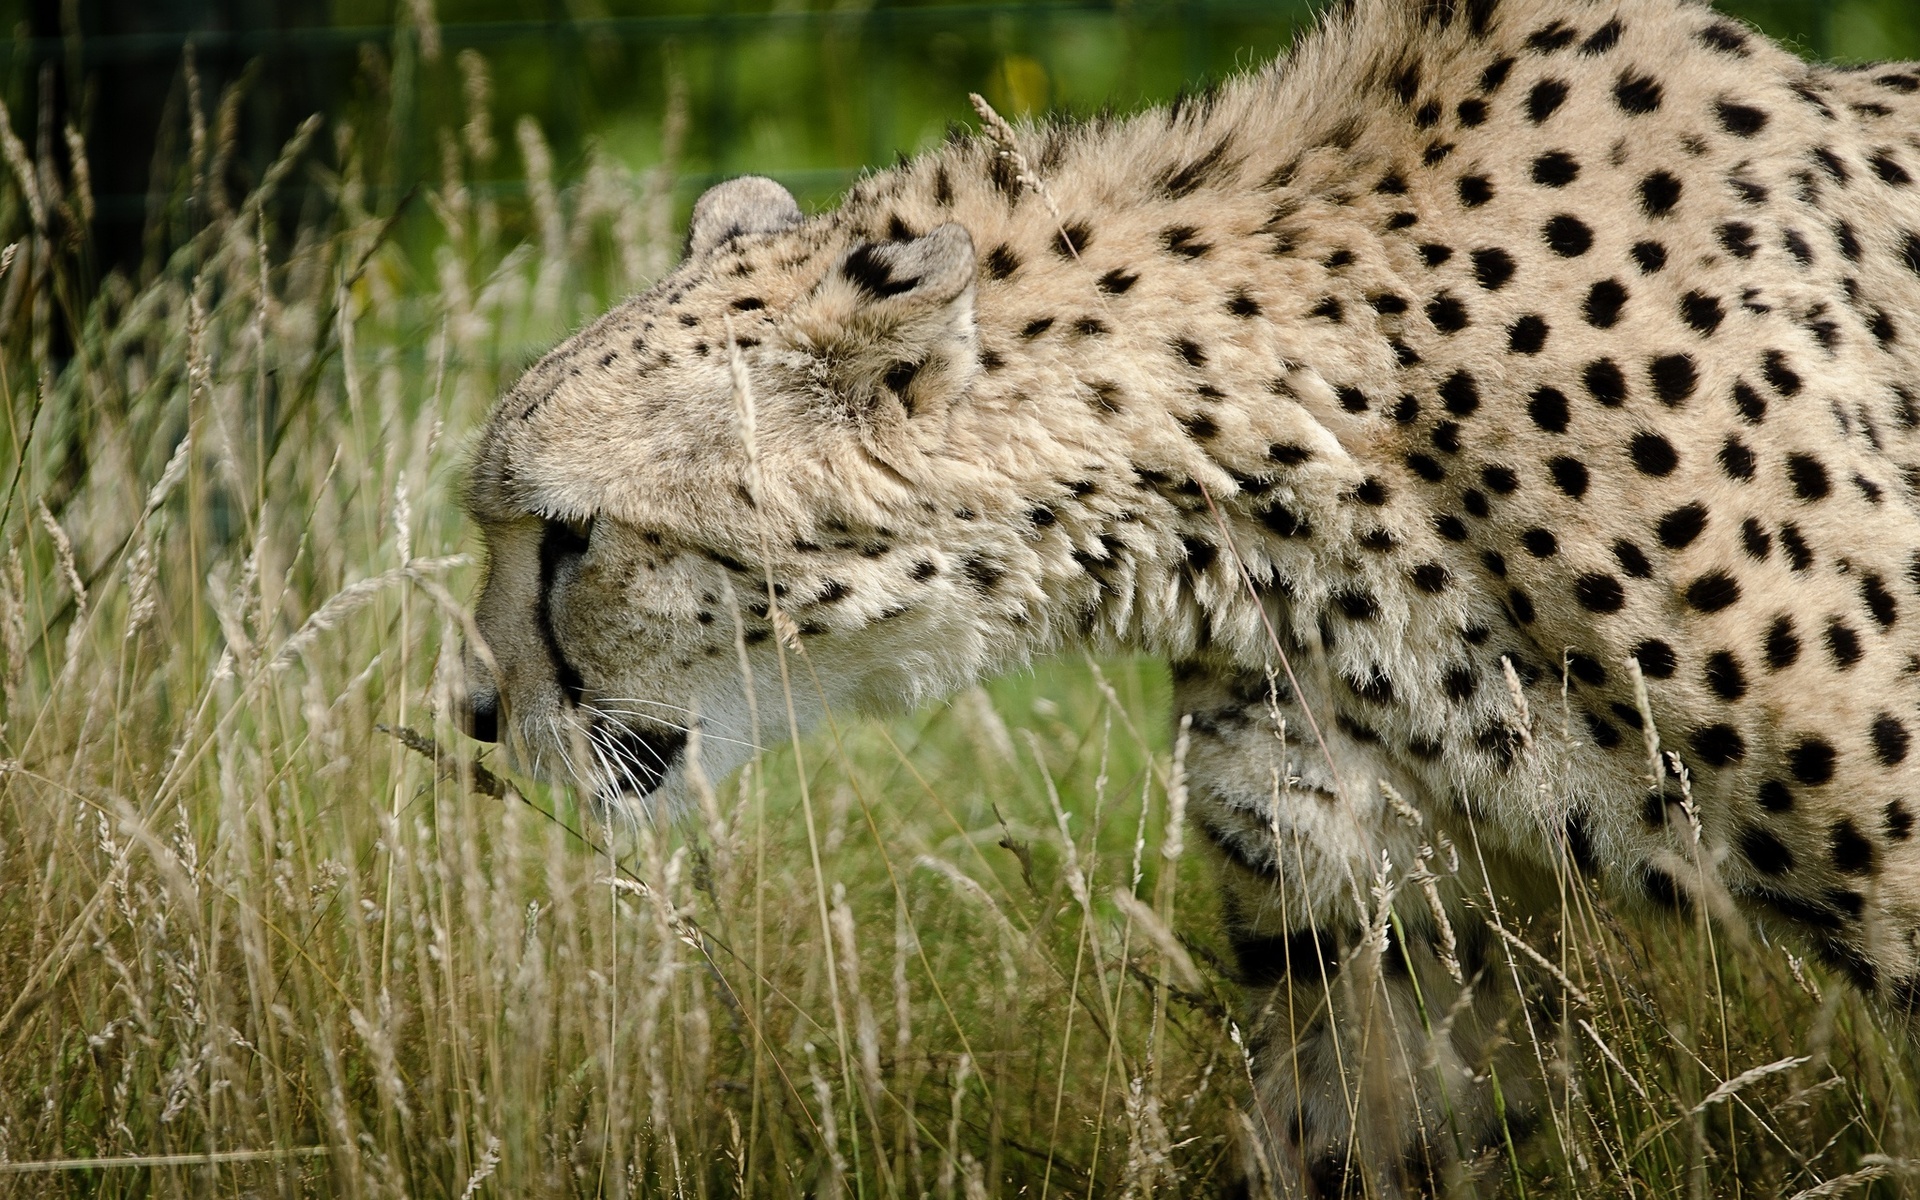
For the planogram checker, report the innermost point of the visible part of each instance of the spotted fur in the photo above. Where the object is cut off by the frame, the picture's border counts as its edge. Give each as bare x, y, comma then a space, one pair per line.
1410, 395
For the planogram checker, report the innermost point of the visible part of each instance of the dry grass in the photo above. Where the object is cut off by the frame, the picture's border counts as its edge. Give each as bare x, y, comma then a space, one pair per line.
252, 945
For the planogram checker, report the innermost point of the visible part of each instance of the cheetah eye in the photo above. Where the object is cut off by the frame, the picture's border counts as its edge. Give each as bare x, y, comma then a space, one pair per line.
567, 535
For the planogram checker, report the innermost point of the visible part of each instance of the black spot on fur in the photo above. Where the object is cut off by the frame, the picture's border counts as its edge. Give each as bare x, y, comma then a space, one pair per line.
1605, 300
1406, 81
1603, 39
1653, 454
1549, 410
1285, 522
1674, 378
1890, 739
1656, 659
1555, 169
1370, 492
1549, 38
1194, 175
1775, 796
984, 573
1356, 605
1431, 578
1528, 335
1475, 190
1725, 37
1843, 644
1183, 240
1808, 475
1718, 745
1724, 675
1598, 593
1447, 313
1879, 601
1811, 761
1852, 853
1702, 312
1660, 193
1637, 95
1493, 268
1678, 529
1888, 169
1586, 669
1765, 852
1713, 591
1569, 475
1461, 394
1799, 555
1545, 99
1736, 460
1899, 820
867, 271
1782, 377
1605, 382
1568, 236
1740, 120
1072, 239
1738, 239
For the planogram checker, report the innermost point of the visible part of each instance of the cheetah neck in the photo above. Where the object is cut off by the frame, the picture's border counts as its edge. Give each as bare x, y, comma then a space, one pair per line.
1152, 415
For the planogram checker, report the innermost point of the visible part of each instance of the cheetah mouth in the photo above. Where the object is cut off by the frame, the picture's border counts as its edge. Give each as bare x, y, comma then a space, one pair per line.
636, 761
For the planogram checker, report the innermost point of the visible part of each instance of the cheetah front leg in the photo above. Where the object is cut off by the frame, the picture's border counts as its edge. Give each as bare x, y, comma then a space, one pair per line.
1381, 1033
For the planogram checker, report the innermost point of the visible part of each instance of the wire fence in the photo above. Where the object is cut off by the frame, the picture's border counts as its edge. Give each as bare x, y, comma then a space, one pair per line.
808, 95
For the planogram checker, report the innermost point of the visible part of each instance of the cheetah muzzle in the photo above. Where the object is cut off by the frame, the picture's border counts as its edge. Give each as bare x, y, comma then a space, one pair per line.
1421, 397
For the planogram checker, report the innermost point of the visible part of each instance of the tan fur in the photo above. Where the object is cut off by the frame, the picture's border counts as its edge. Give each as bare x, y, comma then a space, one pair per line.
1277, 413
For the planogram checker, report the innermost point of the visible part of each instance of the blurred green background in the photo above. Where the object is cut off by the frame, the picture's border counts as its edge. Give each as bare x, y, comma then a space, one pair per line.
807, 91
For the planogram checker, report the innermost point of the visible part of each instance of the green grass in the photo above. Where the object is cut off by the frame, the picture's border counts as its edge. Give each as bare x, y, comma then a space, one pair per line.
250, 944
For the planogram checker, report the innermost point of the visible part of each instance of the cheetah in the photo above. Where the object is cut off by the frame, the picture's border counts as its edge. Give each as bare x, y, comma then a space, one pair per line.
1500, 413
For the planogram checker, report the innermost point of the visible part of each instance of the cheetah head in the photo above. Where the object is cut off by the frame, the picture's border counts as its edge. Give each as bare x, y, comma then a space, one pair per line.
752, 456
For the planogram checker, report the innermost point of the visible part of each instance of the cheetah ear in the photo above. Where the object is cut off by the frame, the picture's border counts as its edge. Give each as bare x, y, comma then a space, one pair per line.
894, 321
749, 204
